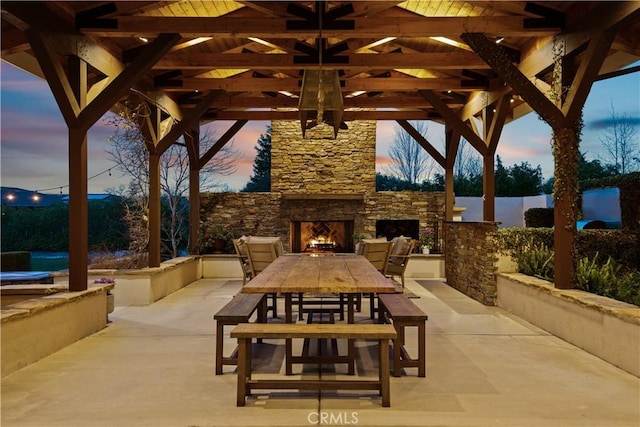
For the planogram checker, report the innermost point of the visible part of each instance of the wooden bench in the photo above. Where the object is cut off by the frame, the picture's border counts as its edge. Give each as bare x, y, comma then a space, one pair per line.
402, 312
238, 310
246, 332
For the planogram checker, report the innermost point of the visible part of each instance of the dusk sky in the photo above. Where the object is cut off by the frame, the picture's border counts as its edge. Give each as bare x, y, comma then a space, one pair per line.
34, 145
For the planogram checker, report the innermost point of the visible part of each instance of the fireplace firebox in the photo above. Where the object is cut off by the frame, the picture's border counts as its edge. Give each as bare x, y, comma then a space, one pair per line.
321, 236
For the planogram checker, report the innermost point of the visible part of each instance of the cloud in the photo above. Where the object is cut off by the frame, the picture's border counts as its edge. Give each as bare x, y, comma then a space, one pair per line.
611, 122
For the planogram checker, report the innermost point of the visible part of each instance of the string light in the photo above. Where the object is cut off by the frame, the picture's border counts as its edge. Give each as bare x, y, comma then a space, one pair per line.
67, 186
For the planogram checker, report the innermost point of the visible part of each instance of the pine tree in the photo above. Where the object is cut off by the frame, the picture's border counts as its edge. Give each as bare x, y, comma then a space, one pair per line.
260, 180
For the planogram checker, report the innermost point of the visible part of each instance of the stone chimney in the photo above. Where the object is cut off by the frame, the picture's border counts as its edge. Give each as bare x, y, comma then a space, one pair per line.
319, 164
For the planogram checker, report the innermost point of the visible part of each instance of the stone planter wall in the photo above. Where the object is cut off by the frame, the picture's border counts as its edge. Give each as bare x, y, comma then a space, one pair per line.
604, 327
37, 327
470, 259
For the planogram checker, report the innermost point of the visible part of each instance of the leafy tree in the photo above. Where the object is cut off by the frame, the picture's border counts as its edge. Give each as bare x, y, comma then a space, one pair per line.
502, 179
261, 178
525, 180
468, 185
594, 169
409, 160
393, 183
46, 228
620, 141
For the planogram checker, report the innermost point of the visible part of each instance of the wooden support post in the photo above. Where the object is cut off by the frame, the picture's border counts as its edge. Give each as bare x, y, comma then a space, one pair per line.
452, 141
78, 185
154, 210
193, 147
489, 188
78, 210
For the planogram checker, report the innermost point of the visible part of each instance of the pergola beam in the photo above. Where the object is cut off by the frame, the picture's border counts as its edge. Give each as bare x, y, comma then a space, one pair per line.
221, 142
355, 61
424, 143
453, 26
350, 84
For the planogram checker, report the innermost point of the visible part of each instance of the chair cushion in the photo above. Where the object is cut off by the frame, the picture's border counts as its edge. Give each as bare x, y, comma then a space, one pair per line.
277, 242
401, 245
360, 247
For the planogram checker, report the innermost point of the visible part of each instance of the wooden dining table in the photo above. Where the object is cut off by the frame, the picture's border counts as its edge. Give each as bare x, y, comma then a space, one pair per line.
346, 274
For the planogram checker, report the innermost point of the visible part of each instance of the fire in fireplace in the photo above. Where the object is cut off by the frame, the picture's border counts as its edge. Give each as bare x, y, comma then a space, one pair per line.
321, 236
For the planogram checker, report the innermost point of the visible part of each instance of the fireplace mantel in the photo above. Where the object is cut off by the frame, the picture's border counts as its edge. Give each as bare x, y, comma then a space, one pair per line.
322, 196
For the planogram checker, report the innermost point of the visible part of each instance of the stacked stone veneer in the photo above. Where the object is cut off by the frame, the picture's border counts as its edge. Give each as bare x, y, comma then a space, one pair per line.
321, 164
470, 259
323, 167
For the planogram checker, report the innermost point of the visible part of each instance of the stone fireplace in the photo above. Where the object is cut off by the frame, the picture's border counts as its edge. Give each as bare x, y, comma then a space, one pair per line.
322, 191
322, 236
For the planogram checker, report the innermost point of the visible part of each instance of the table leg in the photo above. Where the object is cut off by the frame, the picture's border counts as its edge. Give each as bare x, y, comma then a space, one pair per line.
288, 307
350, 306
351, 344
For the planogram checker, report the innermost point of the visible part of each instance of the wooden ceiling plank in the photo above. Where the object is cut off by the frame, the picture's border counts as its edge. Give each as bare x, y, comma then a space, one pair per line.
453, 120
13, 40
424, 143
134, 26
127, 78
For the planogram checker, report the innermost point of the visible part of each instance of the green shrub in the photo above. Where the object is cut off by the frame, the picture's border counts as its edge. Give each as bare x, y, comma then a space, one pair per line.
535, 259
628, 288
617, 277
596, 277
513, 239
622, 246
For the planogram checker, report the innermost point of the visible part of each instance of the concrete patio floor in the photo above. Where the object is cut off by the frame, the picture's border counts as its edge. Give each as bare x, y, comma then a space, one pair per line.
154, 366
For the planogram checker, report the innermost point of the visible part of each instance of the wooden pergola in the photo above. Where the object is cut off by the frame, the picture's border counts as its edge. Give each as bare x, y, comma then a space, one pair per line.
472, 66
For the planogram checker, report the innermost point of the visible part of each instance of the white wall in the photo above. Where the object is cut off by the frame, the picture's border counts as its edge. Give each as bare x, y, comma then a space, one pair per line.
509, 210
602, 204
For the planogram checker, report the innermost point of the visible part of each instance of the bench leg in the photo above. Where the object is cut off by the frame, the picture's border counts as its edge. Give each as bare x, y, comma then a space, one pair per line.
244, 369
219, 346
397, 348
422, 349
383, 373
